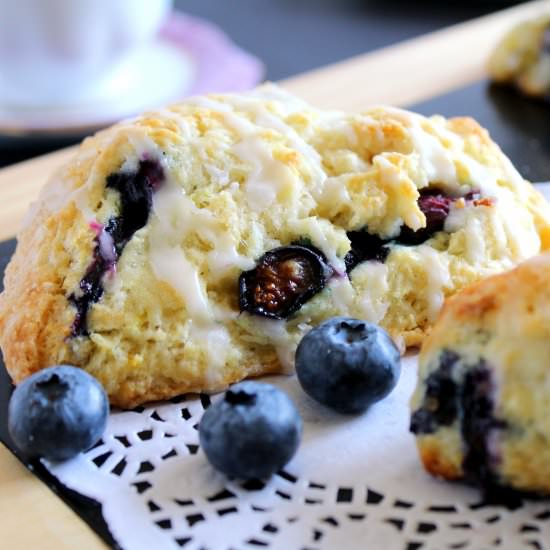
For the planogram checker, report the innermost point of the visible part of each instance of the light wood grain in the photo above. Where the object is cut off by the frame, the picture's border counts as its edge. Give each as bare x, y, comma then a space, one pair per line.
30, 516
414, 70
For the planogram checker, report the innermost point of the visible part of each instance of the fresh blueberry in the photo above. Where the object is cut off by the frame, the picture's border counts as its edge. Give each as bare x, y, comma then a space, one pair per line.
57, 413
347, 364
252, 432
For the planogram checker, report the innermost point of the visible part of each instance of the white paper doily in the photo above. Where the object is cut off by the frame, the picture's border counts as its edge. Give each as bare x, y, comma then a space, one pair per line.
355, 483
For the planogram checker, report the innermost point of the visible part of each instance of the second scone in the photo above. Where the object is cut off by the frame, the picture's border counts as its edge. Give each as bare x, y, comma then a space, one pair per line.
480, 409
195, 245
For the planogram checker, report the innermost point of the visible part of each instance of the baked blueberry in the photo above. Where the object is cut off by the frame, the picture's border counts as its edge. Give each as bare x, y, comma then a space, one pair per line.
136, 198
436, 207
252, 432
365, 246
347, 364
441, 405
283, 280
57, 413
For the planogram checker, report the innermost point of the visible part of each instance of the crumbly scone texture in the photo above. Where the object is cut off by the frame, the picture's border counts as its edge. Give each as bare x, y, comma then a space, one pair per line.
496, 332
522, 57
241, 175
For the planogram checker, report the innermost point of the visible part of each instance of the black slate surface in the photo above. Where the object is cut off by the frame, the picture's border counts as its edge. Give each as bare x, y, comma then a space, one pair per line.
519, 125
294, 36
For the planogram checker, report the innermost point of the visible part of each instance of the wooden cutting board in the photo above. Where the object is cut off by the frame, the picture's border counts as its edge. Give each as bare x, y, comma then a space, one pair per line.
412, 72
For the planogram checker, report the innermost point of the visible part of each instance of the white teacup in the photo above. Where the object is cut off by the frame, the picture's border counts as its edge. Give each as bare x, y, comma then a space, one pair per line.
54, 52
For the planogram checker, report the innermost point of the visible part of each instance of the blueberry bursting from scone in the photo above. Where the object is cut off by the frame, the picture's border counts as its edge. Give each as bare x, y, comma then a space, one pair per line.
283, 280
136, 195
286, 277
433, 204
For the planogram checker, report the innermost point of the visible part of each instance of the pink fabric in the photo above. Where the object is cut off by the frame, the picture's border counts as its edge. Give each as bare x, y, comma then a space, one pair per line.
221, 65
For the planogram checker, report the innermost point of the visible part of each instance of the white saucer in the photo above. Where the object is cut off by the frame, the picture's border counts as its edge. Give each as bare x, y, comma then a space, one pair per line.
158, 73
189, 56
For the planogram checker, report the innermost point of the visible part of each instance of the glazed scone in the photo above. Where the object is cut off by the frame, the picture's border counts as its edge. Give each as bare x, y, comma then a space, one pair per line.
483, 395
194, 246
522, 57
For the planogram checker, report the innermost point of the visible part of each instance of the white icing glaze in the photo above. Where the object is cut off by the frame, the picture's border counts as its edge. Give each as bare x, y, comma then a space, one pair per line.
181, 217
265, 119
171, 266
435, 159
342, 294
215, 340
437, 271
372, 305
276, 332
334, 192
319, 231
107, 246
268, 175
475, 243
456, 219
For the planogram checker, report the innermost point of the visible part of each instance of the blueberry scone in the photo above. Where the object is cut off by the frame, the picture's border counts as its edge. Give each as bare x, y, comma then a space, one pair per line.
483, 395
194, 246
522, 57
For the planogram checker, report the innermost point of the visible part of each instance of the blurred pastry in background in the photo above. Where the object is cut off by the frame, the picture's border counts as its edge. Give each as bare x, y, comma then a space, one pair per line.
522, 57
480, 410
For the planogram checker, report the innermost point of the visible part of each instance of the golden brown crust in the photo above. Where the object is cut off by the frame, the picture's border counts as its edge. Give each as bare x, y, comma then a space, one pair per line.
436, 461
34, 320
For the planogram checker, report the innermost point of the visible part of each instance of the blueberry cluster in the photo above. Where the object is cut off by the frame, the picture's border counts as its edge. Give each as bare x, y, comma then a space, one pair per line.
344, 364
252, 432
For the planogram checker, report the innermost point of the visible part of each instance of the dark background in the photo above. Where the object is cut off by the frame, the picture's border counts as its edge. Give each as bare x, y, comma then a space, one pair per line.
293, 36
